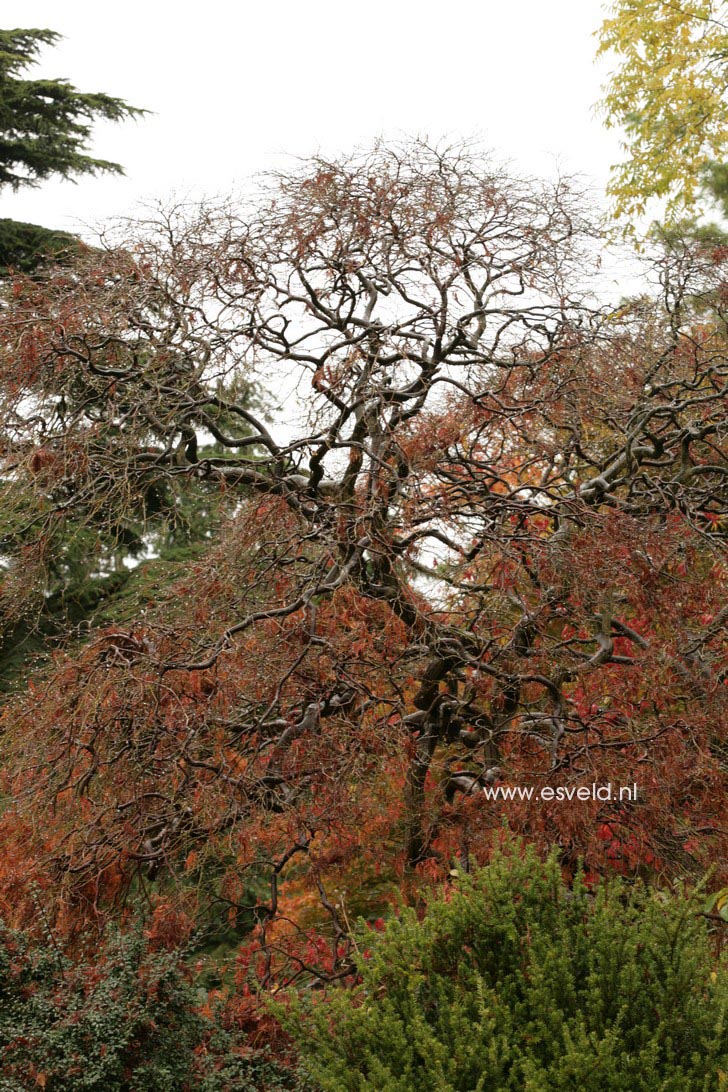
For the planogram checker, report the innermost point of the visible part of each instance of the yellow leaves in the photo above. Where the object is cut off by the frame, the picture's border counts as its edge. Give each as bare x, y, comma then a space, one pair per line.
669, 97
718, 904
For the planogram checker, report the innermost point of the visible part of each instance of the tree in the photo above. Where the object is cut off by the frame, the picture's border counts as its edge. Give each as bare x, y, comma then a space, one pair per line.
88, 571
669, 96
492, 553
517, 980
45, 126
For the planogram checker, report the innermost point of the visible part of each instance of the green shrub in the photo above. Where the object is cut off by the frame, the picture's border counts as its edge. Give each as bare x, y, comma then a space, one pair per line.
128, 1021
514, 980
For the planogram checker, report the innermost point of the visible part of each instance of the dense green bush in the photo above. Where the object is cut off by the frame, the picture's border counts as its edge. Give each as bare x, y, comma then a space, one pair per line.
515, 980
128, 1022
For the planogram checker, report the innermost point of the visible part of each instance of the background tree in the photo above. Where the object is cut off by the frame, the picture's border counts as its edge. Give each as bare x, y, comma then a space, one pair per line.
668, 94
45, 126
493, 550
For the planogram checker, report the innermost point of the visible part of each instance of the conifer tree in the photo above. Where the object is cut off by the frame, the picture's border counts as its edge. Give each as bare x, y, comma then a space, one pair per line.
45, 126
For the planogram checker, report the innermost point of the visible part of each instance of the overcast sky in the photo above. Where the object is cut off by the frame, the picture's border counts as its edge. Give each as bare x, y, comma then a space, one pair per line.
235, 87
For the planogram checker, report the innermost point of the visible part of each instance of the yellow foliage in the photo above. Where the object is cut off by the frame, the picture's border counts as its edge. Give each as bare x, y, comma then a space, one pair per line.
668, 95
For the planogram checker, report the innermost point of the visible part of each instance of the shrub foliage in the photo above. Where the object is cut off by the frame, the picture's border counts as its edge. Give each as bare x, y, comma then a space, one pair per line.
517, 980
131, 1020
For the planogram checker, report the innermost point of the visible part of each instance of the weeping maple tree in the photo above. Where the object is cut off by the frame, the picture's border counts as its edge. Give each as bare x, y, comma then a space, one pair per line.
484, 549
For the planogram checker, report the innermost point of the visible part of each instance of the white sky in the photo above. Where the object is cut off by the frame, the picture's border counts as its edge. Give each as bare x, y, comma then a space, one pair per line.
235, 87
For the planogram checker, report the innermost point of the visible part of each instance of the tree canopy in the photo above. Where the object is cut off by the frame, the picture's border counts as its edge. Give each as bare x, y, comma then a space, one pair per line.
45, 127
46, 124
482, 559
493, 549
668, 95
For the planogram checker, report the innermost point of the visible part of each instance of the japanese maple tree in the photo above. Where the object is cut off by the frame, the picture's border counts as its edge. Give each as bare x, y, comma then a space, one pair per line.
486, 547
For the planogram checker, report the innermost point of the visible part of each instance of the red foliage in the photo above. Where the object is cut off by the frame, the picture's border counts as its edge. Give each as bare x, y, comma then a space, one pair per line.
425, 595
